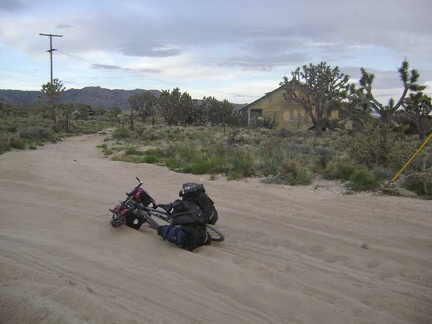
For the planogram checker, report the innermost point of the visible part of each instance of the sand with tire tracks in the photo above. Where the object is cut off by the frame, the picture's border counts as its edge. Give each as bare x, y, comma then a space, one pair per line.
306, 254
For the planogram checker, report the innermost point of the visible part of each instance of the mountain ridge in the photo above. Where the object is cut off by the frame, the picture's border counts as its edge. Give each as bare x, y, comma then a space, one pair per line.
94, 96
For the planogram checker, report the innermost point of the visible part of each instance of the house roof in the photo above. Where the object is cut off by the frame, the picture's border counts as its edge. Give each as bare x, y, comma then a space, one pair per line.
267, 94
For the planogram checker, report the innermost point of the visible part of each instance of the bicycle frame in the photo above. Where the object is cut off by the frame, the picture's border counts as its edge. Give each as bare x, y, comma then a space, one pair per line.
147, 213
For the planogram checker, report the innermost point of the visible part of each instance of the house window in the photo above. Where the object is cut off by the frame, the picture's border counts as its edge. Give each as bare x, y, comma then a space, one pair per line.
256, 113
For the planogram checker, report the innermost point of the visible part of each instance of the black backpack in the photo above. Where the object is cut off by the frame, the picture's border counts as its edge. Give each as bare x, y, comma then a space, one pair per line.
187, 213
195, 192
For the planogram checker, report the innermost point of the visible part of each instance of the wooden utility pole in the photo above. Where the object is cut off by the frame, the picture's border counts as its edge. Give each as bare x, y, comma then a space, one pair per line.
51, 51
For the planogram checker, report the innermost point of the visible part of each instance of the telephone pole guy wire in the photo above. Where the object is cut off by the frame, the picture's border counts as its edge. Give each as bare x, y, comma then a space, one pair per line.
51, 51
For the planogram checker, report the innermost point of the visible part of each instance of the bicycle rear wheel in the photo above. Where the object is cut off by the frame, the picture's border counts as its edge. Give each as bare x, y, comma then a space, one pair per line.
216, 235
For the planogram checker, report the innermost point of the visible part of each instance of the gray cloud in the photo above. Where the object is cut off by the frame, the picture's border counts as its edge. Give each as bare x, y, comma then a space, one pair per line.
244, 35
120, 68
265, 62
143, 51
11, 5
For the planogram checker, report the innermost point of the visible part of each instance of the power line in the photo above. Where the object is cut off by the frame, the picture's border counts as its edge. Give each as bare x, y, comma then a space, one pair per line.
51, 51
139, 75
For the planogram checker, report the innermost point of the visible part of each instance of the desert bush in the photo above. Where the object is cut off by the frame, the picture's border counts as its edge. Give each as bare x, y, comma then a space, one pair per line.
151, 159
121, 134
4, 143
378, 145
132, 150
17, 143
200, 165
339, 170
285, 162
419, 182
362, 180
270, 158
36, 133
294, 173
12, 128
381, 173
240, 164
322, 157
173, 164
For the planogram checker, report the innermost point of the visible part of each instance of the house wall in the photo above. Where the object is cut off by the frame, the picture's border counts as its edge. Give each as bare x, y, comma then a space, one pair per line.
287, 113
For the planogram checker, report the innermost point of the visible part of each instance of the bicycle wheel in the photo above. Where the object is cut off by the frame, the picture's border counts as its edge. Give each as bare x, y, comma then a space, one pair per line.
216, 235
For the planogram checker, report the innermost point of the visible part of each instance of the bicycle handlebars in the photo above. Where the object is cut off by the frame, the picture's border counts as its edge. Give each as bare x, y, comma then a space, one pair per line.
133, 192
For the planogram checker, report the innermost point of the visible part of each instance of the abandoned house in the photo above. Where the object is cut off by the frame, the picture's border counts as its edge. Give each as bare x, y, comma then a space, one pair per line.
286, 113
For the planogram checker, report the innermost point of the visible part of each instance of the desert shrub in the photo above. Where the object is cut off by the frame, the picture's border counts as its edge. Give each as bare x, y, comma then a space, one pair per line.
322, 157
151, 159
17, 143
379, 144
173, 164
339, 170
273, 179
289, 160
419, 182
241, 164
423, 161
36, 132
129, 158
269, 123
284, 133
121, 134
362, 180
154, 152
294, 173
57, 128
12, 128
132, 150
270, 157
4, 143
199, 166
105, 149
381, 173
108, 151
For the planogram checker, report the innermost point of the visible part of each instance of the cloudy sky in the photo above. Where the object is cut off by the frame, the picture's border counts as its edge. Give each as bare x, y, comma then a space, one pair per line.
230, 49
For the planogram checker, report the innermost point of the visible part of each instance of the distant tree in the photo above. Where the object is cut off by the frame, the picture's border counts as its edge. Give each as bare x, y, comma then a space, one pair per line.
356, 109
100, 111
144, 104
176, 107
199, 112
115, 111
319, 90
186, 109
213, 108
169, 103
365, 97
226, 112
238, 118
227, 109
82, 111
52, 95
418, 110
5, 108
64, 112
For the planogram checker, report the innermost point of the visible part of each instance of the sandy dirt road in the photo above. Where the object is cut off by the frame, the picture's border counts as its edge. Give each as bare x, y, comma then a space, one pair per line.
291, 255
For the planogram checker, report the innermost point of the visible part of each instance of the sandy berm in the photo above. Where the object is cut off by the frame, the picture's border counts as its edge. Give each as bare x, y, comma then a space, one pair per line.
304, 254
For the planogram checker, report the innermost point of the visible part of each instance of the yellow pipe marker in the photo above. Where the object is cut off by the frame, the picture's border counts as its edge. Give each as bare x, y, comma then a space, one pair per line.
412, 158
